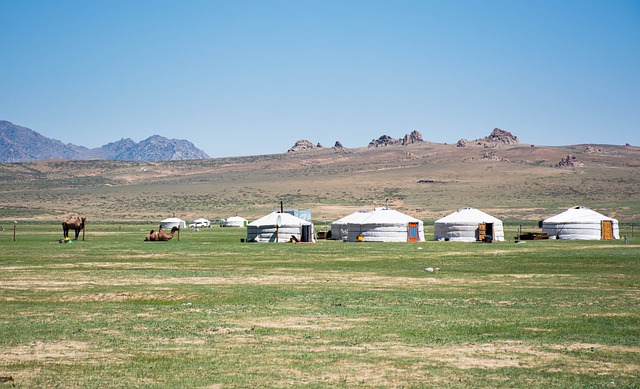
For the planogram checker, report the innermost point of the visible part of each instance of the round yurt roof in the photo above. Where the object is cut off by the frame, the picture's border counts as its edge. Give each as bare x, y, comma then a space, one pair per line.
281, 219
235, 219
386, 216
353, 218
172, 220
578, 214
468, 215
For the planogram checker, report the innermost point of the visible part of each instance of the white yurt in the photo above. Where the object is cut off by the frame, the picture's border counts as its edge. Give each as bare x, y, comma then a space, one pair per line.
279, 227
581, 223
340, 227
468, 225
233, 221
172, 222
386, 225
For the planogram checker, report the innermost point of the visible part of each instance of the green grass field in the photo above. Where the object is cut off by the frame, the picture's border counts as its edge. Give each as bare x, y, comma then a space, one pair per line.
210, 311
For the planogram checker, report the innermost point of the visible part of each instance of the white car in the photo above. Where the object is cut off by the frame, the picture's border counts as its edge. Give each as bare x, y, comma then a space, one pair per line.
200, 225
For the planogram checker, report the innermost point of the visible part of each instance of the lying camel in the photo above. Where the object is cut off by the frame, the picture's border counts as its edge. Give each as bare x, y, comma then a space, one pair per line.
160, 235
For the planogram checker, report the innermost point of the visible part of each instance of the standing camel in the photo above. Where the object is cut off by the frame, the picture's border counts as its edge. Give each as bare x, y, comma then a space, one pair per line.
76, 224
160, 235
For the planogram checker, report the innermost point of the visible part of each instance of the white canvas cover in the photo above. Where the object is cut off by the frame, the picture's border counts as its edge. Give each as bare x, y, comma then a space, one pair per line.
384, 225
340, 227
234, 221
172, 222
578, 223
462, 226
277, 227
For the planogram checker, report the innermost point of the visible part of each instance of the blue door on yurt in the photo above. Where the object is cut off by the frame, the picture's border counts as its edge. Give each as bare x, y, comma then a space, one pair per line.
413, 232
306, 234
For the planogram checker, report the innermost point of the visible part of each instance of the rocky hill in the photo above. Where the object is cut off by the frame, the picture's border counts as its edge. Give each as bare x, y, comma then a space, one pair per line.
428, 180
497, 138
21, 144
500, 137
386, 140
302, 145
570, 161
159, 148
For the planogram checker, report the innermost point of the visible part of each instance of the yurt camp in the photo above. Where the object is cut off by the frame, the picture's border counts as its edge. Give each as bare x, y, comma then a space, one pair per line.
581, 223
172, 222
386, 225
468, 225
233, 221
340, 227
280, 227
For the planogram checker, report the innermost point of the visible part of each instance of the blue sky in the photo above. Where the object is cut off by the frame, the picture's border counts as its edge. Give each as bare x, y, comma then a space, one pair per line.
252, 77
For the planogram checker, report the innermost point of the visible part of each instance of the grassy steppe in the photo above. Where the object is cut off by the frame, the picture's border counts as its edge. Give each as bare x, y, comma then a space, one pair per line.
209, 311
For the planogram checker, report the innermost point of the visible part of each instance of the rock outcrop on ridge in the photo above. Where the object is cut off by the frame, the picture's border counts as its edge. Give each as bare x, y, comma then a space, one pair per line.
499, 137
569, 161
462, 143
386, 140
302, 145
591, 150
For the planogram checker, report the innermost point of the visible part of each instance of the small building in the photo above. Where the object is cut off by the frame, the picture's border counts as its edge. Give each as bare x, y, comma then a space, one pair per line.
279, 227
581, 223
340, 227
233, 221
386, 225
468, 225
171, 222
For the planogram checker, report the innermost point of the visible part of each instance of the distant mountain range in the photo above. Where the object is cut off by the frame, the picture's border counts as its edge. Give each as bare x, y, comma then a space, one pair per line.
21, 144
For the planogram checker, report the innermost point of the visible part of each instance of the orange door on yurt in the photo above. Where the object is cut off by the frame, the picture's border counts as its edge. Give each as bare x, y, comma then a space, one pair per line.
607, 229
482, 231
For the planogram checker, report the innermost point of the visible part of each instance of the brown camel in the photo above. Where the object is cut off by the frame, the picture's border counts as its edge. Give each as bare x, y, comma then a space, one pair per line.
71, 223
160, 235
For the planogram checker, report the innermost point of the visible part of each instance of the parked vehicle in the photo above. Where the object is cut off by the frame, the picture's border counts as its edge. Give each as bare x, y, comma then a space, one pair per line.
200, 223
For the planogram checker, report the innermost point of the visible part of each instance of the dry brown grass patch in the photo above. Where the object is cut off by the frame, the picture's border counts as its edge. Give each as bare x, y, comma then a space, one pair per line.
313, 322
123, 297
596, 346
530, 275
225, 330
67, 352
